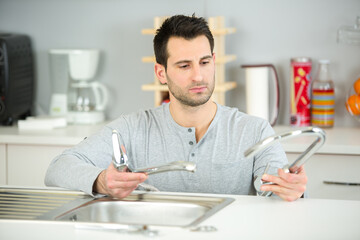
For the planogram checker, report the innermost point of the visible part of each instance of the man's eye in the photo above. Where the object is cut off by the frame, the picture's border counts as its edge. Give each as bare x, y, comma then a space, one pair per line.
184, 66
205, 62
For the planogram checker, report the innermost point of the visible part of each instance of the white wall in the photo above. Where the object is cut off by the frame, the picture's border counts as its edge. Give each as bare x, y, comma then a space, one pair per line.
268, 31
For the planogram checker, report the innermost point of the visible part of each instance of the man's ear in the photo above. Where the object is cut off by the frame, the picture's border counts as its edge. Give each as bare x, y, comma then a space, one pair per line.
160, 73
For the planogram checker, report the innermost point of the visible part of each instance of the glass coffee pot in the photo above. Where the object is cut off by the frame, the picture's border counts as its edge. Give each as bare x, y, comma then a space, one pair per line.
86, 96
87, 99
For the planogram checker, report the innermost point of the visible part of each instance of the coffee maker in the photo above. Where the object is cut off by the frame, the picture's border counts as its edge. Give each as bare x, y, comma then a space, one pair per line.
76, 95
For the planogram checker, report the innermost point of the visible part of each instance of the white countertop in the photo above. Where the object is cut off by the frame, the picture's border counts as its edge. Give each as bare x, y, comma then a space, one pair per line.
339, 140
249, 217
70, 135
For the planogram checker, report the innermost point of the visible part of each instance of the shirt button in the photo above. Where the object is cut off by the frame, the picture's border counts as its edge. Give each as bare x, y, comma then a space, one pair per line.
191, 142
193, 154
189, 130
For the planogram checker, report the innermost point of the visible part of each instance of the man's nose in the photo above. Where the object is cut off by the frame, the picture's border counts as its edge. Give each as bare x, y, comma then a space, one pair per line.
197, 74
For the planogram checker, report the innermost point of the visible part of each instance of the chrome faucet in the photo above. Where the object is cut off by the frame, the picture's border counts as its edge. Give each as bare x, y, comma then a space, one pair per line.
294, 167
121, 161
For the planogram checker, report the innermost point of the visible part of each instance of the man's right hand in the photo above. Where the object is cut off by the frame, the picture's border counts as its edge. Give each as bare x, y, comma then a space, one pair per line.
117, 184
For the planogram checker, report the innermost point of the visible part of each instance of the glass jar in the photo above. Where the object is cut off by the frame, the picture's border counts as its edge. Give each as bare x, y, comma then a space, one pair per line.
323, 97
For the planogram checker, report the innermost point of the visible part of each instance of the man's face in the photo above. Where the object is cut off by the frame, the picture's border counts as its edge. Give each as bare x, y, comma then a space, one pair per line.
190, 70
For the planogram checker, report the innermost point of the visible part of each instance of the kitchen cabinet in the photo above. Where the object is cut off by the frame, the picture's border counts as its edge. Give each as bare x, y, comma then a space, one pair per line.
26, 155
27, 164
328, 175
3, 173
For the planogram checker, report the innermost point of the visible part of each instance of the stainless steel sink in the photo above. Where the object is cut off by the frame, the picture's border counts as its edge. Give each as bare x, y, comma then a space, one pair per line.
148, 209
37, 204
140, 209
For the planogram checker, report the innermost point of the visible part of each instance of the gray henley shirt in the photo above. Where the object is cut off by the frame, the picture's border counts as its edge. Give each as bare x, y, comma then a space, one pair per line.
152, 137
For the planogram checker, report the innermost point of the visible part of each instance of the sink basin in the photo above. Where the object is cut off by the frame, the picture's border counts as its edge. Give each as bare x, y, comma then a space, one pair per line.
148, 209
138, 209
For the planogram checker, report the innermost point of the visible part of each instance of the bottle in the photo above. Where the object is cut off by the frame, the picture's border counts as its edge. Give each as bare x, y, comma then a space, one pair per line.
323, 97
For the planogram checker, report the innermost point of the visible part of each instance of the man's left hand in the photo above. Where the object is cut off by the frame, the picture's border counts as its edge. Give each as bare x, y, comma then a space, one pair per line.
288, 186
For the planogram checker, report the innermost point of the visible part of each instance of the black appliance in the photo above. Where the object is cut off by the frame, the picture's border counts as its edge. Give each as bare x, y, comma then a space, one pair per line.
16, 77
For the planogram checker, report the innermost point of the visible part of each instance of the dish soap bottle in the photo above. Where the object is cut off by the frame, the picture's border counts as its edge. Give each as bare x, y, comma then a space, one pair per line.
323, 97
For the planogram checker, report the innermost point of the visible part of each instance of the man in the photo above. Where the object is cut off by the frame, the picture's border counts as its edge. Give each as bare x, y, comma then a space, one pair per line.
190, 128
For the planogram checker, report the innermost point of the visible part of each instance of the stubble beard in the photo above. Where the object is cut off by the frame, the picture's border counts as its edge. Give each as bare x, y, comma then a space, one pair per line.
186, 99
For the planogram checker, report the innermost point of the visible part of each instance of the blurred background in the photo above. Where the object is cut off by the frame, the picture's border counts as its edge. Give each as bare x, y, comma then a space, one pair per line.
267, 31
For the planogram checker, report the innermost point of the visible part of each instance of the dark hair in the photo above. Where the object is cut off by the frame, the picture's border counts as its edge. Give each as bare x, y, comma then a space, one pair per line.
179, 26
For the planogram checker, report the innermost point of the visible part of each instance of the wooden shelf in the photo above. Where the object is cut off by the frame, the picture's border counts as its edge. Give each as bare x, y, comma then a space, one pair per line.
221, 87
226, 86
218, 60
224, 59
154, 87
150, 59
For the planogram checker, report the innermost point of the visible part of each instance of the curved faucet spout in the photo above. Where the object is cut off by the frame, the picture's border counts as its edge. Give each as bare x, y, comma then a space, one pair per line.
314, 146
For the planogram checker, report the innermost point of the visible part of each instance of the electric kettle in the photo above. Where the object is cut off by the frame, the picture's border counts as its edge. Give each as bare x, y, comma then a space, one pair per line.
260, 101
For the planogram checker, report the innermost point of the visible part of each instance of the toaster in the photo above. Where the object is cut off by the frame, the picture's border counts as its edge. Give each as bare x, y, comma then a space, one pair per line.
16, 77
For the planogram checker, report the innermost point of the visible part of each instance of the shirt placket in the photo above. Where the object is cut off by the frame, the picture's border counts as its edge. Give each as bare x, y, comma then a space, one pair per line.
192, 153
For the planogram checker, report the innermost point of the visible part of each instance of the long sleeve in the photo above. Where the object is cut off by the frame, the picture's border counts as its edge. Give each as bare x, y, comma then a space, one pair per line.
78, 167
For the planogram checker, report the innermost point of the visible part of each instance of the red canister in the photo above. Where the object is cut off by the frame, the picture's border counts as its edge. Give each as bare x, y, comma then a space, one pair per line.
300, 81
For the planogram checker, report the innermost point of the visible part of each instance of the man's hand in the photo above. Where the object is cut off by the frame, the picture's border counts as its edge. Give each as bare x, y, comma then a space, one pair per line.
288, 186
117, 184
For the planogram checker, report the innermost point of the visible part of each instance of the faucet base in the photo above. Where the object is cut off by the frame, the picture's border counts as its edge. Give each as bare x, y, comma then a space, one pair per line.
259, 182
